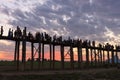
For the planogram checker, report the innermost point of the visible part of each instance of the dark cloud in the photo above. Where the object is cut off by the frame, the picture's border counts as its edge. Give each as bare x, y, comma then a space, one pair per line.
77, 18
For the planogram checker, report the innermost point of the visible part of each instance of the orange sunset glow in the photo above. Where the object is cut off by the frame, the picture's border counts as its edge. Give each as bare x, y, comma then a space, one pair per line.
6, 55
10, 55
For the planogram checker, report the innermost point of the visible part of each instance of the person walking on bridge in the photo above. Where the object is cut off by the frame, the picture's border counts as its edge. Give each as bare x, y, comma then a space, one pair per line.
1, 31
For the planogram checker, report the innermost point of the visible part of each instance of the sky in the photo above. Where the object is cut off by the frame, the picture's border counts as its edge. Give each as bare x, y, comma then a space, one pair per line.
97, 20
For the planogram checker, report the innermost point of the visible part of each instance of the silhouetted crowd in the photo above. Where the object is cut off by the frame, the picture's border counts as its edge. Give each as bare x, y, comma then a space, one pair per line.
44, 37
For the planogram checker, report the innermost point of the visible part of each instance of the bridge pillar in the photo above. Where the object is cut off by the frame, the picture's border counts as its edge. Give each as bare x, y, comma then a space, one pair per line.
24, 48
95, 57
87, 56
98, 56
62, 56
71, 57
43, 55
91, 55
53, 64
113, 59
50, 55
39, 55
116, 56
15, 53
32, 55
108, 56
103, 56
79, 56
18, 54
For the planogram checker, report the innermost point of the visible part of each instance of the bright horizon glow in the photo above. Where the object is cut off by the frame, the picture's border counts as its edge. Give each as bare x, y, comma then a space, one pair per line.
10, 55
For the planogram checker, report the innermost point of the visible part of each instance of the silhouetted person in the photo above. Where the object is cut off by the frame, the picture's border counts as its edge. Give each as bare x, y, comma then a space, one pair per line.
42, 37
100, 45
1, 31
112, 47
24, 32
38, 36
18, 33
30, 36
69, 40
107, 46
47, 37
89, 43
54, 38
85, 43
80, 42
15, 34
117, 47
10, 33
93, 43
60, 39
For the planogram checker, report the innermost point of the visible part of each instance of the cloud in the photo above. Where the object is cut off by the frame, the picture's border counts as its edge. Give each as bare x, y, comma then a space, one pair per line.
97, 20
86, 19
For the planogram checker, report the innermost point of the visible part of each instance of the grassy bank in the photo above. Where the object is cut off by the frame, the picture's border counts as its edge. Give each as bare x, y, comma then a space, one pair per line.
105, 74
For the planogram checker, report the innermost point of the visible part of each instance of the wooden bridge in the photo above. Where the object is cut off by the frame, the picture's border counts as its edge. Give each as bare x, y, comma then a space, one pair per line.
95, 55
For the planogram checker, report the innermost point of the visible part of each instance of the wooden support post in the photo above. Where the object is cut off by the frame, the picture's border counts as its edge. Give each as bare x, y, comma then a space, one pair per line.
108, 56
53, 56
79, 55
62, 56
113, 59
87, 56
91, 51
15, 53
39, 55
18, 54
98, 56
24, 48
50, 55
116, 57
95, 56
103, 56
32, 55
71, 57
43, 55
